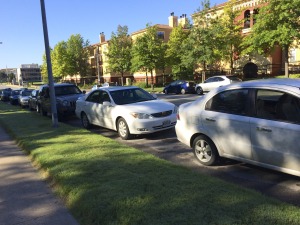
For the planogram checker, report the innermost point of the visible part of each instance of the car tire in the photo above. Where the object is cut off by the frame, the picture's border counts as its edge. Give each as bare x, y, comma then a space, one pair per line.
166, 91
205, 150
123, 129
183, 91
85, 121
199, 91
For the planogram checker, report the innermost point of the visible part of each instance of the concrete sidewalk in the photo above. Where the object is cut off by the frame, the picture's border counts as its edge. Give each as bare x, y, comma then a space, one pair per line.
25, 198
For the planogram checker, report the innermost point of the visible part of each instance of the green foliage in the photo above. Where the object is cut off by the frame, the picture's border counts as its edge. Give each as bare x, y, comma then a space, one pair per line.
277, 23
103, 181
119, 51
175, 51
68, 58
200, 46
148, 52
228, 32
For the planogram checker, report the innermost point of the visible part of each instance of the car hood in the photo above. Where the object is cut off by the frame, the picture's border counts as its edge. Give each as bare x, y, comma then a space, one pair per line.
149, 107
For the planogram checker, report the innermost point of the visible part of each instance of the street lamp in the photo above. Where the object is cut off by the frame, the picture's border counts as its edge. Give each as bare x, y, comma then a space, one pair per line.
98, 69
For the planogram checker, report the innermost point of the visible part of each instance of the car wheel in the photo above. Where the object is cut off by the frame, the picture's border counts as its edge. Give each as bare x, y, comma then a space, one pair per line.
166, 91
205, 150
183, 91
85, 121
199, 91
123, 129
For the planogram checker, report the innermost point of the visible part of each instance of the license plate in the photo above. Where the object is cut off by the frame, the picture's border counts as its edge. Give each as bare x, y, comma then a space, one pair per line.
166, 123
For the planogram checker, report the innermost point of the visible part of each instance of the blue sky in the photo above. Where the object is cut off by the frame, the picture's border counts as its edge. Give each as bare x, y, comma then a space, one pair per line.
22, 31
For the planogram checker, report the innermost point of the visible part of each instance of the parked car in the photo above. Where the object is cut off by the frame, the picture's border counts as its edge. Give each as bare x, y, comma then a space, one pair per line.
14, 96
129, 110
66, 95
256, 122
180, 86
214, 82
32, 100
4, 94
23, 97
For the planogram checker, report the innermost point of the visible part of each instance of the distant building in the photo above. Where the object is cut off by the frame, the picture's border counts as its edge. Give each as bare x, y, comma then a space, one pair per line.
28, 73
98, 59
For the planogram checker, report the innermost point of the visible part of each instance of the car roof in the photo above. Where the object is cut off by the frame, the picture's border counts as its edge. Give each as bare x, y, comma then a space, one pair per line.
276, 83
59, 84
116, 88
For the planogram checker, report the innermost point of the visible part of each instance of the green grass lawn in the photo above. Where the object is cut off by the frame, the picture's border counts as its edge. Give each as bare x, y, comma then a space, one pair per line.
104, 182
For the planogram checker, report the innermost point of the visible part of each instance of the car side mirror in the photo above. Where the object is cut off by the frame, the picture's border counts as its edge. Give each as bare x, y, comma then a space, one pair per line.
84, 91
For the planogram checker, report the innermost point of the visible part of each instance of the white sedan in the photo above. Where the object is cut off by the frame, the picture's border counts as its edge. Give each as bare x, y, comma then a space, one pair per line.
256, 122
128, 110
214, 82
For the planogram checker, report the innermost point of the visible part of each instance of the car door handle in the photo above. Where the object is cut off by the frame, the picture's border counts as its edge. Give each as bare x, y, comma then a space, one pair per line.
210, 119
263, 129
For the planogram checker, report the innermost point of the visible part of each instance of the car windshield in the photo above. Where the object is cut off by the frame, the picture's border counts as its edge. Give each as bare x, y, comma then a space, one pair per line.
16, 92
128, 96
67, 90
26, 93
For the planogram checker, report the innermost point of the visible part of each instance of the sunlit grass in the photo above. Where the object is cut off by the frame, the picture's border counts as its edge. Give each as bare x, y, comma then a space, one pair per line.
105, 182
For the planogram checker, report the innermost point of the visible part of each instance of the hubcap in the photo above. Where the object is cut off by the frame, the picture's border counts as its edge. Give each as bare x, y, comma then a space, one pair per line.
122, 128
203, 151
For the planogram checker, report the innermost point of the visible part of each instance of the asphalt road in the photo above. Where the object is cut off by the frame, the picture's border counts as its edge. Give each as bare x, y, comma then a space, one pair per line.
166, 146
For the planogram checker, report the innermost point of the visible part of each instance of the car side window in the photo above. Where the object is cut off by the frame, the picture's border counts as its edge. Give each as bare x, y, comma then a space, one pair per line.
94, 97
276, 105
232, 102
104, 97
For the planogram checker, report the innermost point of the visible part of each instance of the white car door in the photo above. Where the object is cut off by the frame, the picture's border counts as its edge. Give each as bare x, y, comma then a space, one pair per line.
276, 130
103, 110
90, 107
227, 124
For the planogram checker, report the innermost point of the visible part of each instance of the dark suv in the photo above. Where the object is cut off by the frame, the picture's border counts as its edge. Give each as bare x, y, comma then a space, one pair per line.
66, 96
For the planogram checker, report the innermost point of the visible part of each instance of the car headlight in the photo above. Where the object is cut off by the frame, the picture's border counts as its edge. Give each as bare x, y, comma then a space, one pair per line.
141, 115
64, 102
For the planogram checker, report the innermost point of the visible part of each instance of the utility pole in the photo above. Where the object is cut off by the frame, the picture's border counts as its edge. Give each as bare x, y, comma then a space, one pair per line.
49, 67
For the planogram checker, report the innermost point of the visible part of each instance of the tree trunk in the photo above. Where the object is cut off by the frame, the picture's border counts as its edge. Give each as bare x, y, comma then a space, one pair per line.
286, 60
122, 83
152, 85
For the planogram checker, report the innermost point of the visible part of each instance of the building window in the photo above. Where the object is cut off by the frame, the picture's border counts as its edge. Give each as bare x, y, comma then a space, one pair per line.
247, 19
161, 35
292, 55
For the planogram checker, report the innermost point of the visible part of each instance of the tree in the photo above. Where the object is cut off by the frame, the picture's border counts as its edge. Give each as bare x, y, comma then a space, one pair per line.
147, 51
68, 58
277, 24
200, 47
119, 52
59, 60
77, 56
228, 33
175, 50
